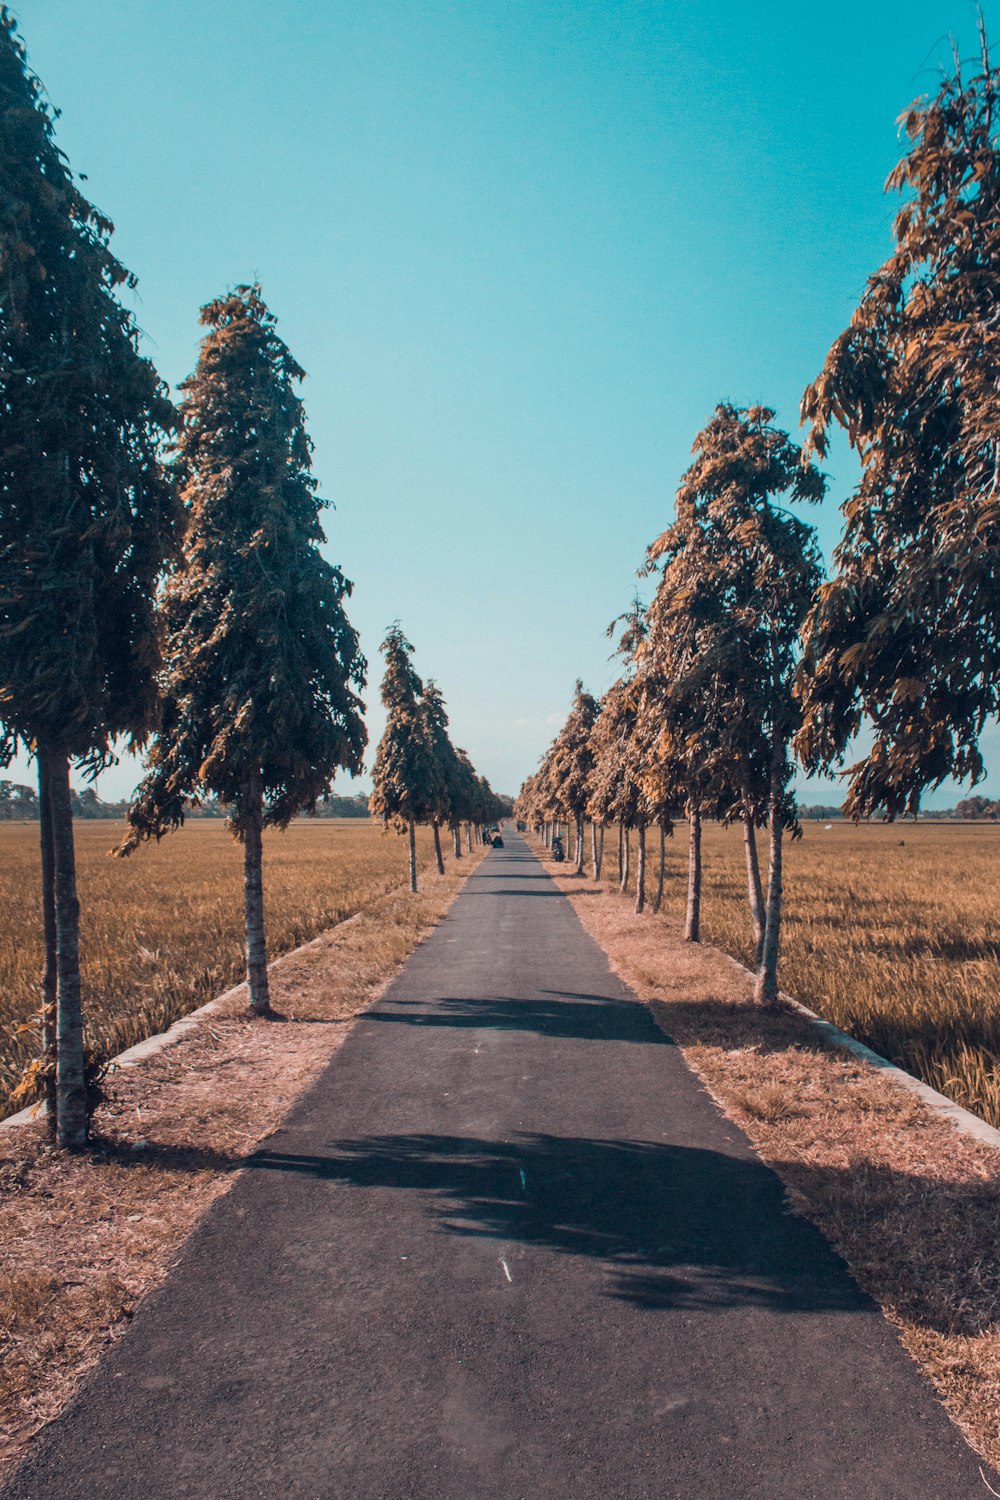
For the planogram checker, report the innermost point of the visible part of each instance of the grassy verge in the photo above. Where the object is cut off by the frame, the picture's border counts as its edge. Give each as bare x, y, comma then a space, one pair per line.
84, 1238
910, 1203
162, 931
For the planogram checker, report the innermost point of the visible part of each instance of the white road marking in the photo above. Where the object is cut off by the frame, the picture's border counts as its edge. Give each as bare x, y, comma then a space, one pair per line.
506, 1269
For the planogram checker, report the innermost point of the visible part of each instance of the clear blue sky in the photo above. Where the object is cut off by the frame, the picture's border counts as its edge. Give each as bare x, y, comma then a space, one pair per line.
522, 248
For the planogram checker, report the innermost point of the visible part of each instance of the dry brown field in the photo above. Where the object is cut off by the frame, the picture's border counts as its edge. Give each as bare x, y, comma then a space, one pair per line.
161, 932
892, 931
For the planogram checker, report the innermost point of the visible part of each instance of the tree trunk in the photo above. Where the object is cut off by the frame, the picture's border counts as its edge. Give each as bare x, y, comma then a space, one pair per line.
756, 894
640, 872
621, 852
412, 833
437, 848
48, 984
71, 1087
595, 853
253, 900
766, 989
692, 924
580, 846
468, 836
456, 834
658, 898
626, 856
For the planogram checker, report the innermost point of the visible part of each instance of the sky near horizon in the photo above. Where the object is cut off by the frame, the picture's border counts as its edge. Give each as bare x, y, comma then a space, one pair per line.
522, 248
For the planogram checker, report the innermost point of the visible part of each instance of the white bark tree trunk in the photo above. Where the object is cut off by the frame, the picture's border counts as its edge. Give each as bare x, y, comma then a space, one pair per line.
253, 901
49, 969
754, 889
640, 871
412, 834
766, 989
658, 898
71, 1087
626, 856
692, 922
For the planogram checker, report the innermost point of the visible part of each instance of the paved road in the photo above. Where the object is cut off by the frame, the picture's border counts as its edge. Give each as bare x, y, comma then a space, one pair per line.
506, 1249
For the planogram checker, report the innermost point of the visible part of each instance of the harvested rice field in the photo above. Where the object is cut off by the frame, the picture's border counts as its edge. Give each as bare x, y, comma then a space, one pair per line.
161, 932
892, 931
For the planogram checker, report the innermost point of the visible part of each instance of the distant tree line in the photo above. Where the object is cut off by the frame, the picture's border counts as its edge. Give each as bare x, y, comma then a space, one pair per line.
745, 660
978, 809
18, 801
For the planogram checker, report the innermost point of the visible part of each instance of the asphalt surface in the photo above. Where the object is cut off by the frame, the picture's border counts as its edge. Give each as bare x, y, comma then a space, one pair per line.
506, 1247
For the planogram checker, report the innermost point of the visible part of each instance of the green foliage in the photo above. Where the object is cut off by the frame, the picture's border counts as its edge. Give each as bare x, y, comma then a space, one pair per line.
978, 808
17, 801
86, 513
262, 666
906, 636
334, 806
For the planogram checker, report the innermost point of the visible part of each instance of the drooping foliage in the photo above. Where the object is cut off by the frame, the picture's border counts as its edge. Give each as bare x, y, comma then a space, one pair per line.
449, 782
407, 783
86, 515
262, 669
905, 638
570, 763
738, 573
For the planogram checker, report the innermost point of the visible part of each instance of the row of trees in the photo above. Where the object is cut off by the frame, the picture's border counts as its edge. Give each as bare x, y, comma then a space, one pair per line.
161, 580
419, 775
745, 655
700, 722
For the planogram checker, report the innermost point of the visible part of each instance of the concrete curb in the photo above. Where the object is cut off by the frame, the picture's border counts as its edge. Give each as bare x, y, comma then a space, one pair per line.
182, 1027
968, 1123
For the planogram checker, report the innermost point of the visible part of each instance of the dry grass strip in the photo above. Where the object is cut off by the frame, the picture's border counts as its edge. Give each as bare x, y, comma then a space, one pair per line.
909, 1202
84, 1238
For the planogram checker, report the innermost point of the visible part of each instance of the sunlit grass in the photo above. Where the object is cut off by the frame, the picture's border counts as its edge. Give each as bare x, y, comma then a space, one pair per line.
891, 931
162, 932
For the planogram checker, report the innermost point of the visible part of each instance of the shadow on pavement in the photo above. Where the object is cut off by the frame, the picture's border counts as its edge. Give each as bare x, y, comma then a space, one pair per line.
676, 1226
593, 1018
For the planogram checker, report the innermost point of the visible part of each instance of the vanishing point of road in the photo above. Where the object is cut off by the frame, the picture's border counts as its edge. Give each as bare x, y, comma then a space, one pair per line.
506, 1248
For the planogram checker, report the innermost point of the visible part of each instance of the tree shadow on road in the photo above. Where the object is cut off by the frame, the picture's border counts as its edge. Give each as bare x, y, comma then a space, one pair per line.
674, 1226
595, 1018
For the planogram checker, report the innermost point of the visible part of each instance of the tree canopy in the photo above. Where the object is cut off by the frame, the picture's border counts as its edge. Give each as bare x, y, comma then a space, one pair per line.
905, 638
87, 518
406, 781
262, 669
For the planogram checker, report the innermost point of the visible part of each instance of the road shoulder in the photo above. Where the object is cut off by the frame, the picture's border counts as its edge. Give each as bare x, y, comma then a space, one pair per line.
84, 1239
909, 1202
